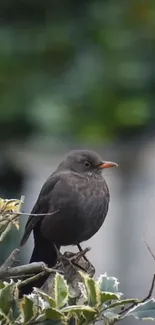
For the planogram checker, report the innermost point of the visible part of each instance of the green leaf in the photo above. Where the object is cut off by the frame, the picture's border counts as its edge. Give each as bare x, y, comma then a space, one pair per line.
54, 314
83, 290
41, 319
46, 297
86, 312
27, 310
53, 322
2, 285
9, 304
120, 303
38, 301
6, 298
144, 310
61, 291
110, 317
108, 296
93, 292
4, 318
15, 305
108, 284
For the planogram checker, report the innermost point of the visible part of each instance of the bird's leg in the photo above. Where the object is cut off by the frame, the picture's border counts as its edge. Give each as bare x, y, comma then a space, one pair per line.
81, 250
79, 247
59, 256
62, 258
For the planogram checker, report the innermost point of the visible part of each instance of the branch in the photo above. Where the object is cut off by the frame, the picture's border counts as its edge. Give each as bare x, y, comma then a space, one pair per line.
71, 263
35, 267
5, 232
16, 214
150, 291
32, 278
149, 249
126, 310
12, 260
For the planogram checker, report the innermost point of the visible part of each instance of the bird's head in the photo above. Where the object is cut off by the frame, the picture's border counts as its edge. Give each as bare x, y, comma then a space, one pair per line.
85, 161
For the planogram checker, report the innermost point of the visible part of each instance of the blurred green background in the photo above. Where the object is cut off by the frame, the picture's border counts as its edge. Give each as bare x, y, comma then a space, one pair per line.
80, 69
82, 74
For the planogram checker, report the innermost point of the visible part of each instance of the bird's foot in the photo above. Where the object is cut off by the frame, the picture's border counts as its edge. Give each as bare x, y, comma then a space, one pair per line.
80, 254
74, 258
64, 260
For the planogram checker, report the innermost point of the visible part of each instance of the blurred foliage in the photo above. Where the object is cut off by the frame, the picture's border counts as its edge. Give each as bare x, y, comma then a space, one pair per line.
76, 68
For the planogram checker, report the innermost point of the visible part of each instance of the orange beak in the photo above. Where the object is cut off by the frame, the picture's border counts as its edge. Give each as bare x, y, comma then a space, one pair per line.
107, 164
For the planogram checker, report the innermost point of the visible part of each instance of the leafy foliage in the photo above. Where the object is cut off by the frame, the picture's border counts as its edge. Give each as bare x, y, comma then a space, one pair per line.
61, 291
99, 304
144, 310
9, 215
102, 298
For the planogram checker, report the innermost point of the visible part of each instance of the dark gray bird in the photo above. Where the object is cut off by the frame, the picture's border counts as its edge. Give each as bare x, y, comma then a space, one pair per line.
77, 197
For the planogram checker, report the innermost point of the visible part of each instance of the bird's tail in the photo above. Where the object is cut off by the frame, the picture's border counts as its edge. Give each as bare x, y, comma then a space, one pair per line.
42, 252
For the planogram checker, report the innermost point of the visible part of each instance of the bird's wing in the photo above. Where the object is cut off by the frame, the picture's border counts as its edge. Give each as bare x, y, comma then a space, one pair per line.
40, 207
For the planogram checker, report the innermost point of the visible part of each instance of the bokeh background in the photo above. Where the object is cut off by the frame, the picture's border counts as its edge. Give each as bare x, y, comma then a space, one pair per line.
81, 74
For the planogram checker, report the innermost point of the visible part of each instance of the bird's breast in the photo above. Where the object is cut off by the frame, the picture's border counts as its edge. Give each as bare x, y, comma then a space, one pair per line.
93, 207
82, 205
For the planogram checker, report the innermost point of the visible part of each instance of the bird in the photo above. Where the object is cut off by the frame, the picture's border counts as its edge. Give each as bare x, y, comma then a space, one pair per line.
71, 207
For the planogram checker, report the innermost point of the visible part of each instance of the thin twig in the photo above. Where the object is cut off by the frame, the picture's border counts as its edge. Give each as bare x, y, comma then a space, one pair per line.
5, 232
20, 276
150, 291
34, 214
126, 310
29, 280
149, 249
11, 260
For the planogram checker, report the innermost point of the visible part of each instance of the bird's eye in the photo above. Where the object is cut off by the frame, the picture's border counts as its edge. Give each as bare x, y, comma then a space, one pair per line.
87, 164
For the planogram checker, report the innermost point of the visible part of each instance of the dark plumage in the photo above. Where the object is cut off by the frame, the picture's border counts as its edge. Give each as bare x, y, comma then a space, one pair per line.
79, 196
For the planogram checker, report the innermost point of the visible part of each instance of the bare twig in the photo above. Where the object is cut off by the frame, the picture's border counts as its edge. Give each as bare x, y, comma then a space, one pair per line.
150, 291
12, 260
126, 310
149, 249
33, 214
35, 267
12, 216
22, 199
5, 232
32, 278
16, 277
